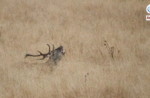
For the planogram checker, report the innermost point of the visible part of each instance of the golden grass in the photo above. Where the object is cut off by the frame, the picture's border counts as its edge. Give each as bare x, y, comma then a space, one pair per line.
81, 27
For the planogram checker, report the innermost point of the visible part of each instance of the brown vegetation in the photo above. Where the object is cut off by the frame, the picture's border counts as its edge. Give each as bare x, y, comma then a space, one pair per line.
89, 68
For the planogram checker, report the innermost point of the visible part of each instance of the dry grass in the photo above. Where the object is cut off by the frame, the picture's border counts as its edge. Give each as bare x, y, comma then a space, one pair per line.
81, 27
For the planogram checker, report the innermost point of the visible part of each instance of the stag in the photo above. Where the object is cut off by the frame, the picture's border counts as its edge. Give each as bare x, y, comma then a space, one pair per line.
54, 56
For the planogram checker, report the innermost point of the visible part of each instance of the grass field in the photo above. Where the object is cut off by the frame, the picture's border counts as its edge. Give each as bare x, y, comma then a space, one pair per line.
87, 70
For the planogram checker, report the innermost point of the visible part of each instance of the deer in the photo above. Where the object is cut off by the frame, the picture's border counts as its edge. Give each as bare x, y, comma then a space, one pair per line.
54, 56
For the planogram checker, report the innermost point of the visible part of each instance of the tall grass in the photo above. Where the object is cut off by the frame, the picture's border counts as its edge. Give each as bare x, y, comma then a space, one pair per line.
87, 70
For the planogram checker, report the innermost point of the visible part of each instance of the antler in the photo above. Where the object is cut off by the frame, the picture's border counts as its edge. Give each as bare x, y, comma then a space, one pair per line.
41, 54
52, 52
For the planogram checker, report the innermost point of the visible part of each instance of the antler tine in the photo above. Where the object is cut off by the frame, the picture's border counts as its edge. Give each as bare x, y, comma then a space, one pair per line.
40, 53
42, 58
49, 52
53, 47
25, 55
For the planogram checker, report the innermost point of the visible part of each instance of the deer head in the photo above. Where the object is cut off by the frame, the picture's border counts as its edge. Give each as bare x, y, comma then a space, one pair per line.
54, 56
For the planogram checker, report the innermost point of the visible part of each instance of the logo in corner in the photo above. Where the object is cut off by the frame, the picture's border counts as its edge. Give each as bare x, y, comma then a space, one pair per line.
148, 9
147, 17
